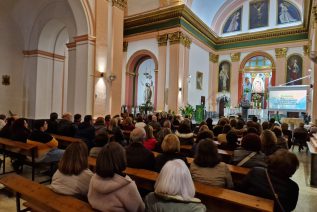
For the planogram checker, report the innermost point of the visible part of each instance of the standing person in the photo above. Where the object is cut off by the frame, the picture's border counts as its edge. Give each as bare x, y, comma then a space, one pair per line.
73, 176
274, 182
174, 190
110, 188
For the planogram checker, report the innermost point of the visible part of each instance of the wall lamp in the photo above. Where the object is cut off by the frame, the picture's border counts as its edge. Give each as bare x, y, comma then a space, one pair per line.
111, 77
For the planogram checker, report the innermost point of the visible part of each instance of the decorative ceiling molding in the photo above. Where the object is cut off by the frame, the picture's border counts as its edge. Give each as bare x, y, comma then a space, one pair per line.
182, 16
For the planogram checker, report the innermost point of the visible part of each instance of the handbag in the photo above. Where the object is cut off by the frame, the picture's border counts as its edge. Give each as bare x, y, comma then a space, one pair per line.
274, 193
244, 160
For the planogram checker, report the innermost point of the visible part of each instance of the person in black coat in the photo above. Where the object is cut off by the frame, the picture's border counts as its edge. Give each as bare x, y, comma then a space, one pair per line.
52, 123
86, 131
281, 166
66, 126
137, 155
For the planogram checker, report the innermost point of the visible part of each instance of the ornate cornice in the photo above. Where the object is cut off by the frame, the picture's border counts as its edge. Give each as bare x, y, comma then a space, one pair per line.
213, 57
121, 4
179, 37
314, 13
125, 46
281, 52
162, 40
29, 53
235, 57
306, 49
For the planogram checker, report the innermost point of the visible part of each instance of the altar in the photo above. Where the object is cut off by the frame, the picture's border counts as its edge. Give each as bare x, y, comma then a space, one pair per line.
232, 111
260, 113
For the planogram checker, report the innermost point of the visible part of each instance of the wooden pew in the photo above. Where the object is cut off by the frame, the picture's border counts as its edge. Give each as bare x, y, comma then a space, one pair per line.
15, 147
237, 172
41, 197
64, 141
216, 199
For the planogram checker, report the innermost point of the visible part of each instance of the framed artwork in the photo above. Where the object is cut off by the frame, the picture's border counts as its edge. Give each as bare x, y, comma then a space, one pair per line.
233, 23
259, 14
199, 80
287, 12
294, 69
224, 77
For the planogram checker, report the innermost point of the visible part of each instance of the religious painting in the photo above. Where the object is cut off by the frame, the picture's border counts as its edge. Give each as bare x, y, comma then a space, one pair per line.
233, 24
259, 14
287, 12
224, 77
294, 70
199, 80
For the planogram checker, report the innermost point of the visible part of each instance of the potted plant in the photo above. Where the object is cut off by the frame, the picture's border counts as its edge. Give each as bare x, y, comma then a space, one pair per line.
188, 110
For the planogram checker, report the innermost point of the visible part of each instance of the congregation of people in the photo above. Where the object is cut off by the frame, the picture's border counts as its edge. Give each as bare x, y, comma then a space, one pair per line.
154, 142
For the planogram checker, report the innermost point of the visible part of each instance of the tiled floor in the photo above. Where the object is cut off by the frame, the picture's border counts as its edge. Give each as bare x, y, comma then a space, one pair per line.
307, 201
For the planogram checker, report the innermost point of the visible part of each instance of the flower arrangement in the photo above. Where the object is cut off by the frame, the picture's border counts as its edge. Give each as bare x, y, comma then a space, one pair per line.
188, 110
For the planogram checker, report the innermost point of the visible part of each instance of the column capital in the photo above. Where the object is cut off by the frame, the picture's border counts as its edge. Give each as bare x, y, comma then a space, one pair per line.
281, 52
121, 4
125, 46
179, 37
306, 49
213, 57
235, 57
162, 40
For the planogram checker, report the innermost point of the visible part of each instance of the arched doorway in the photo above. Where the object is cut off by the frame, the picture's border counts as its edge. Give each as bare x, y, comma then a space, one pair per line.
141, 81
256, 76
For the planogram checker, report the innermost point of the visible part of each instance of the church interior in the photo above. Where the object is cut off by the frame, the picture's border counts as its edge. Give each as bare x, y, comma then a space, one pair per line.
177, 60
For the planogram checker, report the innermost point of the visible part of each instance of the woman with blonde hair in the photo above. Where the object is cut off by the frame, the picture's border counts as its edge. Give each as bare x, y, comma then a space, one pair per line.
174, 190
171, 150
73, 176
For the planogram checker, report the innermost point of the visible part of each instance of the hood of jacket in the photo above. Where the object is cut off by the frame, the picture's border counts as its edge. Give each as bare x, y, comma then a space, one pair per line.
109, 185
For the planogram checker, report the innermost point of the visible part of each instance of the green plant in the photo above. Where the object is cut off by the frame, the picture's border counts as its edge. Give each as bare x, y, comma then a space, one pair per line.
188, 110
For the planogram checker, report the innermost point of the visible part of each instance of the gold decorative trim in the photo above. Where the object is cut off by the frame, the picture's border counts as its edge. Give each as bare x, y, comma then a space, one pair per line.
179, 37
121, 4
235, 57
314, 13
306, 49
131, 73
125, 46
36, 52
162, 40
71, 45
213, 57
84, 38
281, 52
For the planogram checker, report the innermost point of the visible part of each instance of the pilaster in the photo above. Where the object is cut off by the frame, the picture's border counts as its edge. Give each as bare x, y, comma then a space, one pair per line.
162, 54
212, 81
234, 76
280, 54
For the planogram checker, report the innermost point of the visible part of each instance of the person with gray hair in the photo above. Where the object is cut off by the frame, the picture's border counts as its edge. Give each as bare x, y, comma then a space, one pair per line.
174, 190
137, 155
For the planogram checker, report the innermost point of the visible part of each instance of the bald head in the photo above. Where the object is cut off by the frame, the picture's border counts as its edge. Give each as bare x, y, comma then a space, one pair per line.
138, 135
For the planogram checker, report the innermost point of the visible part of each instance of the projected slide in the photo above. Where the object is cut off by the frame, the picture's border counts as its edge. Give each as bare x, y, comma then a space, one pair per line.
290, 100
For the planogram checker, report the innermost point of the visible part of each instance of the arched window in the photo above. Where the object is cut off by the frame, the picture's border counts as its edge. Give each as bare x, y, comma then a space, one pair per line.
258, 62
146, 82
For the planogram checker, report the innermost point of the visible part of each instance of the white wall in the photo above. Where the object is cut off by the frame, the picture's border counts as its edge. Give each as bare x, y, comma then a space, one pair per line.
198, 61
11, 60
148, 44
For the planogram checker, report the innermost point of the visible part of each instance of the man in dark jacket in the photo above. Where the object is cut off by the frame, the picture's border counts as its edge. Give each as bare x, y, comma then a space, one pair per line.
66, 127
137, 155
86, 131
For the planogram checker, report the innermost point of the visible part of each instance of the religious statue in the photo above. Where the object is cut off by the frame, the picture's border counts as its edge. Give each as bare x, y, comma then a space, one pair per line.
285, 16
234, 24
247, 88
223, 76
148, 92
258, 85
259, 12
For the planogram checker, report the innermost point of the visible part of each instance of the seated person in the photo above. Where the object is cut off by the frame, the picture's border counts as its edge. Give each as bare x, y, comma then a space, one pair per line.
137, 155
86, 131
46, 144
184, 133
281, 141
202, 135
163, 132
232, 141
150, 141
264, 182
301, 136
222, 138
66, 126
52, 123
288, 134
73, 176
207, 167
249, 154
20, 130
174, 190
100, 141
110, 188
171, 151
268, 142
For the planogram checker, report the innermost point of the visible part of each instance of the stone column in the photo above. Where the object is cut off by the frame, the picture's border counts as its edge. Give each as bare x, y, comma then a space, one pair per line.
118, 7
212, 82
280, 54
162, 52
178, 59
124, 70
71, 76
101, 99
234, 76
